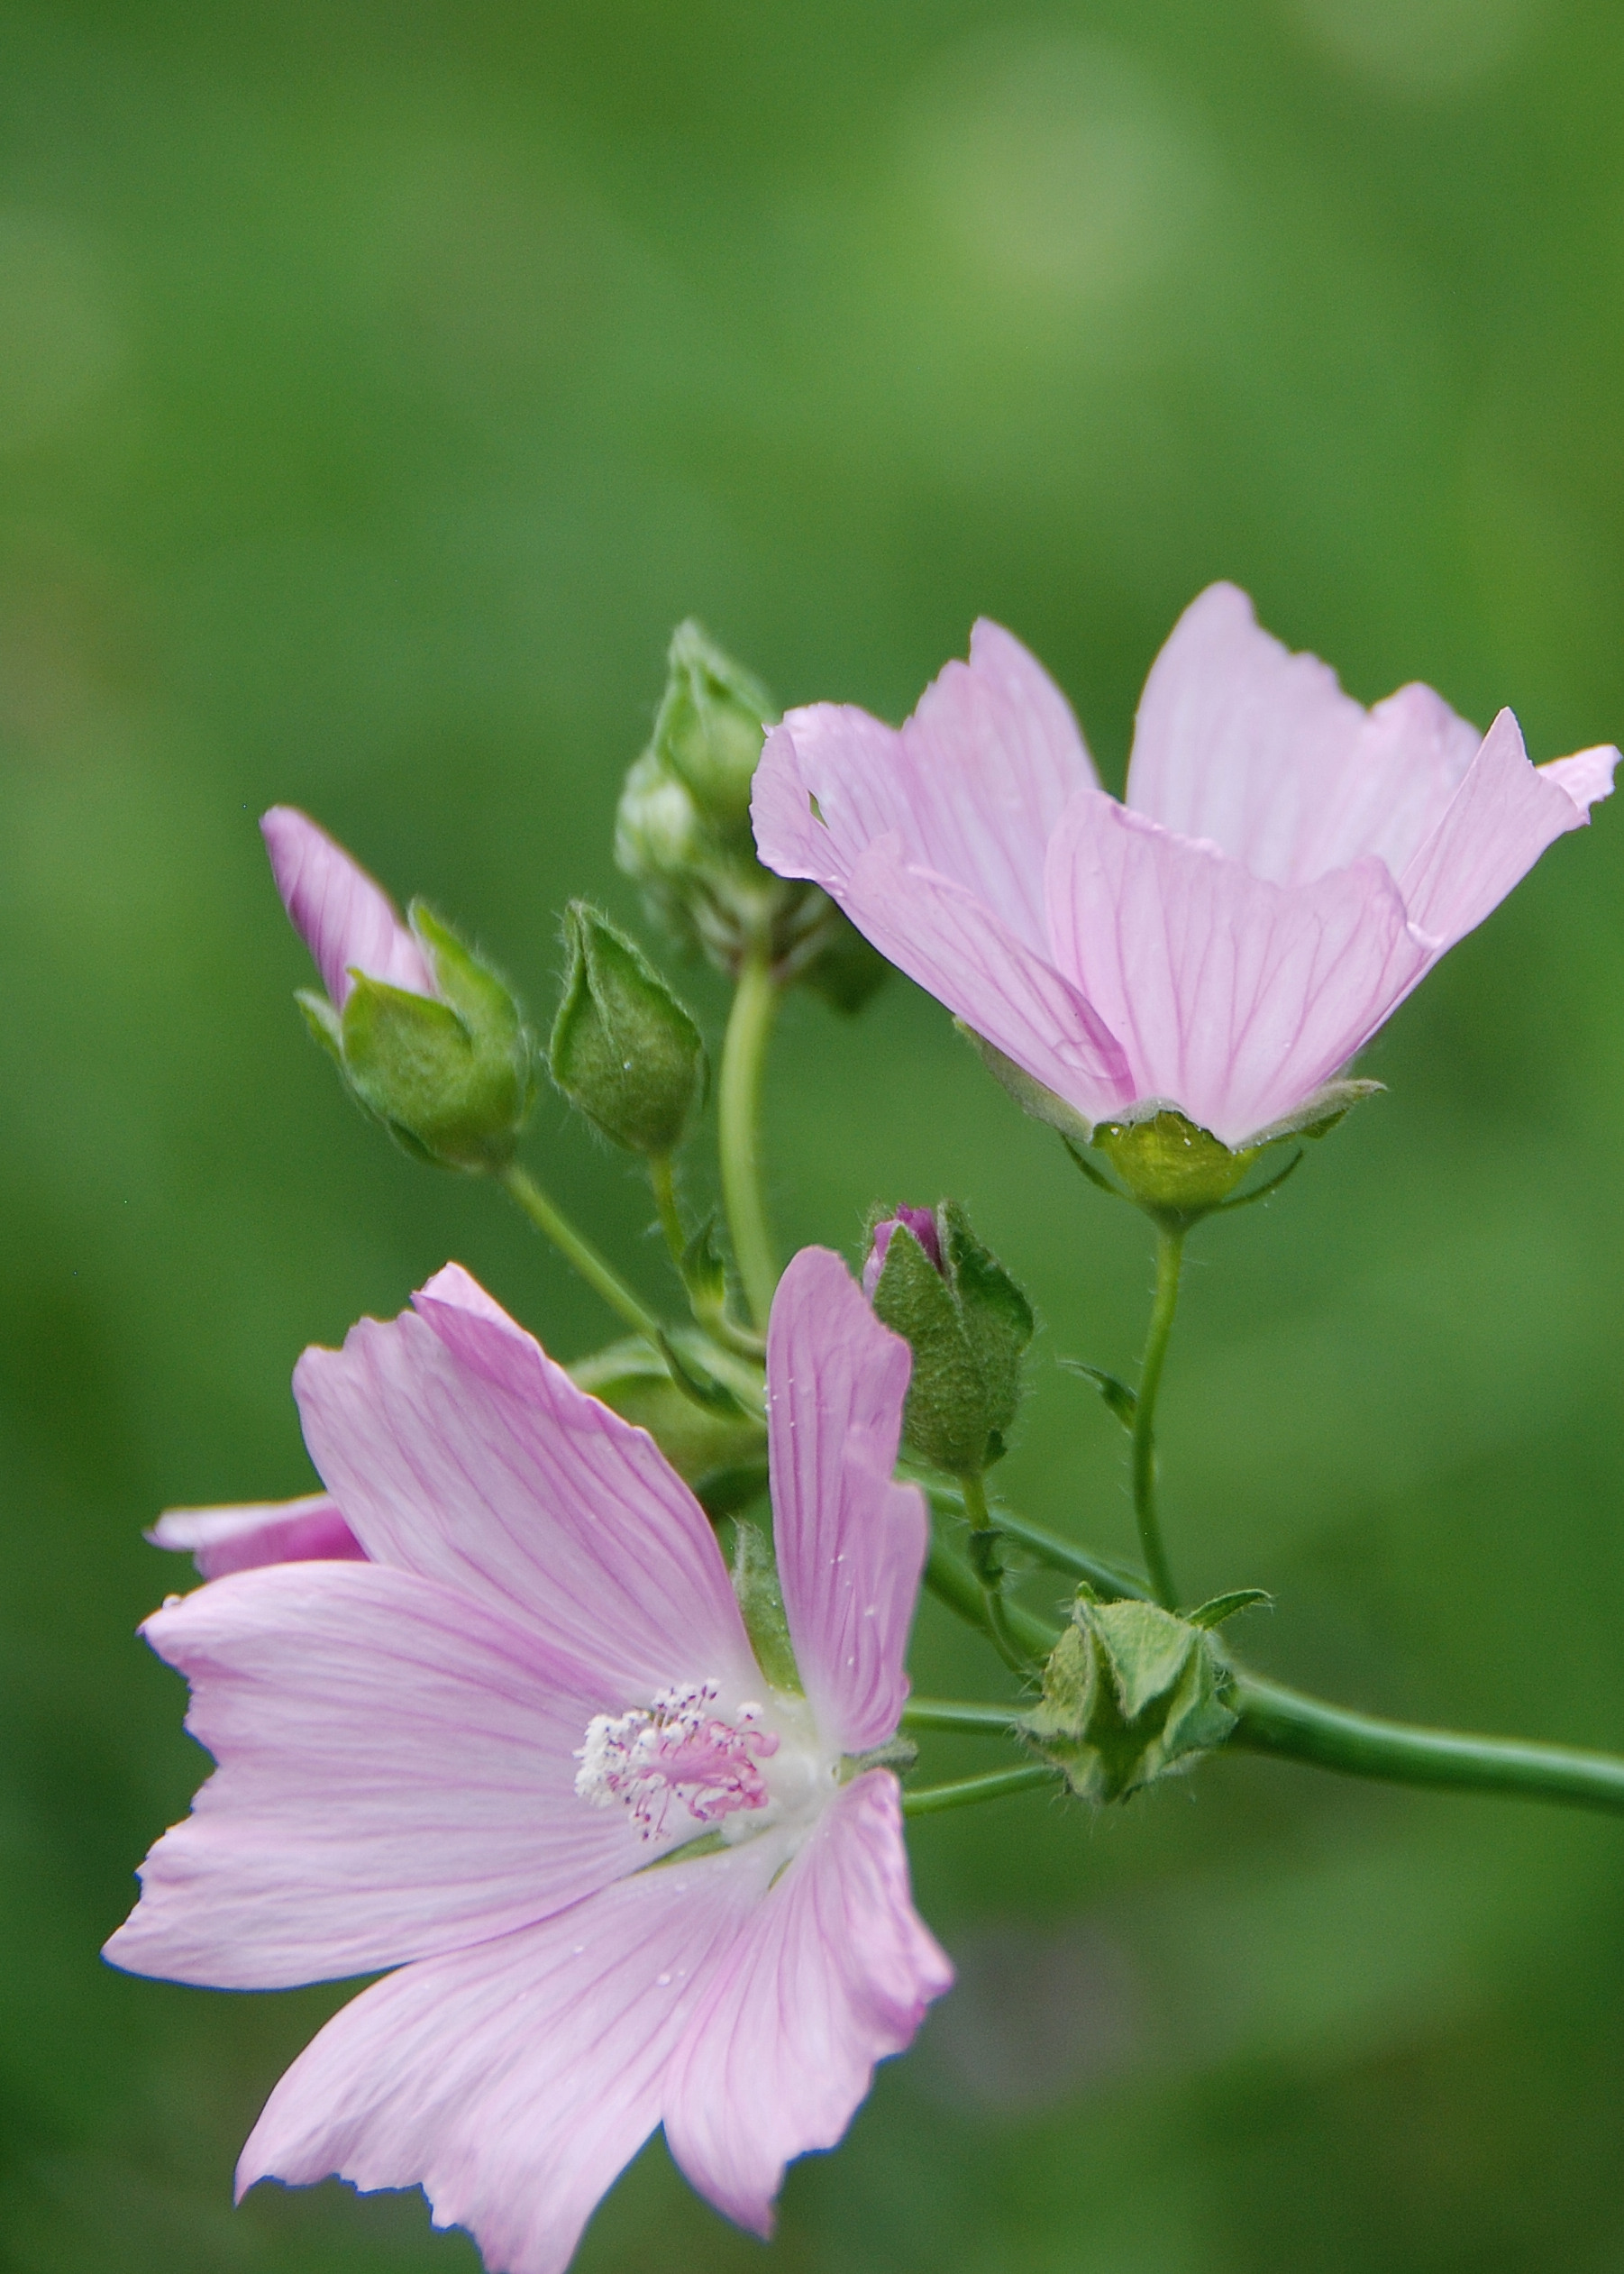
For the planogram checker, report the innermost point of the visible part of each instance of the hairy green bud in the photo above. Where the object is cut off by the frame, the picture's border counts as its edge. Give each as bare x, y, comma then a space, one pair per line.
452, 1075
624, 1050
968, 1324
1131, 1694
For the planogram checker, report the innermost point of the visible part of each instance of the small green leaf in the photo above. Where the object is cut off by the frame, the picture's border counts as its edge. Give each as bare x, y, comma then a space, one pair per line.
704, 1272
1222, 1607
1123, 1402
756, 1582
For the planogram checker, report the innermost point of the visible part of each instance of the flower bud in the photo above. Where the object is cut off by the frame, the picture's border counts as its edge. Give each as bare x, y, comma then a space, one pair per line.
683, 830
1131, 1693
624, 1050
710, 726
968, 1325
426, 1036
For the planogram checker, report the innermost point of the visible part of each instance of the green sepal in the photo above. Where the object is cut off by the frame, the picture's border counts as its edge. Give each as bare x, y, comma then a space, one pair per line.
624, 1050
756, 1582
323, 1021
451, 1076
1131, 1694
968, 1326
1029, 1093
1175, 1170
1121, 1401
1222, 1607
721, 1454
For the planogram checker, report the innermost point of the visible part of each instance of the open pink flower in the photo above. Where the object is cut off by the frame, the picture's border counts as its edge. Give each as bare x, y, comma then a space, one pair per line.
1286, 868
348, 922
460, 1756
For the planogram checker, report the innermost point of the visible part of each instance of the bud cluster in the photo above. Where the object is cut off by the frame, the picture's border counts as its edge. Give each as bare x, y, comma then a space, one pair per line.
682, 831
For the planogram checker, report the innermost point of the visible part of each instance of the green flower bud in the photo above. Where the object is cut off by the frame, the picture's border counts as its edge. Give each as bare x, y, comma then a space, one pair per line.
710, 726
968, 1324
450, 1075
624, 1050
1131, 1694
683, 830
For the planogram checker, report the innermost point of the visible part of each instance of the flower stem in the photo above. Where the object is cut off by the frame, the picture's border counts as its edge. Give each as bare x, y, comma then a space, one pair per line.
597, 1270
969, 1718
984, 1562
950, 1578
738, 1118
929, 1800
1275, 1719
1169, 1255
662, 1177
1108, 1582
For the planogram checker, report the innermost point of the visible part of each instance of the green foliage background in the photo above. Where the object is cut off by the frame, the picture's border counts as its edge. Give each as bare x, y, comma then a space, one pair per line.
379, 383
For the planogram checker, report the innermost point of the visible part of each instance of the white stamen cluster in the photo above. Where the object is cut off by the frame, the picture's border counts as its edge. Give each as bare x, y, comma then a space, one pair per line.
675, 1748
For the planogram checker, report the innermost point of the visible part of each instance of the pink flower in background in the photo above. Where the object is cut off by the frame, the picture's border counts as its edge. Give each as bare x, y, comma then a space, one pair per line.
460, 1757
281, 1531
1286, 868
347, 921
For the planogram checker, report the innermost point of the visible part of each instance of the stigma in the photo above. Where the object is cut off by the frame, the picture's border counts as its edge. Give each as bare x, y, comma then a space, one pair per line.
677, 1752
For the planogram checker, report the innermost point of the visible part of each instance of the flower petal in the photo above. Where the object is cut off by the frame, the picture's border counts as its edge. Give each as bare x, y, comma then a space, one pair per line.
850, 1543
347, 921
959, 951
283, 1531
1236, 998
1240, 742
972, 785
396, 1777
458, 1450
831, 1975
1503, 816
514, 2081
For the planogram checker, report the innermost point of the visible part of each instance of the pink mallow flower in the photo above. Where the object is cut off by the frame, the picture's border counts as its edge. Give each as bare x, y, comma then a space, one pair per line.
460, 1756
281, 1531
349, 923
1286, 868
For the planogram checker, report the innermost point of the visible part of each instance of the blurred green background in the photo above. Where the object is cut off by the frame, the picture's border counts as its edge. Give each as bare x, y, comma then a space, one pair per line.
379, 383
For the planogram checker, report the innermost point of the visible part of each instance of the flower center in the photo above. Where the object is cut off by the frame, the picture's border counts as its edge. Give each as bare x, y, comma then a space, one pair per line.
681, 1750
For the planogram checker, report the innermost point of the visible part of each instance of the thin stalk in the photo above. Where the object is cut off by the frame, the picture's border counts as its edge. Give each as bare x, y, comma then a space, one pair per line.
984, 1562
930, 1800
738, 1129
1063, 1555
1169, 1255
1275, 1719
664, 1179
597, 1270
950, 1578
969, 1718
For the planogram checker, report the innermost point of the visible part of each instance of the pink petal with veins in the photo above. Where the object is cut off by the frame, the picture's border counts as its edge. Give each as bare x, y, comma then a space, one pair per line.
347, 921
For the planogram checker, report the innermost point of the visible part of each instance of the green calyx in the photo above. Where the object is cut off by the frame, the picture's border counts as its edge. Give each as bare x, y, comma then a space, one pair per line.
452, 1075
682, 831
1131, 1694
968, 1325
1174, 1170
623, 1050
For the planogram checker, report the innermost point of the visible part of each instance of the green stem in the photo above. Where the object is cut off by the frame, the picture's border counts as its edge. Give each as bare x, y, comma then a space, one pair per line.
930, 1800
1275, 1719
597, 1270
664, 1179
1170, 1255
950, 1578
738, 1118
1063, 1555
968, 1718
984, 1562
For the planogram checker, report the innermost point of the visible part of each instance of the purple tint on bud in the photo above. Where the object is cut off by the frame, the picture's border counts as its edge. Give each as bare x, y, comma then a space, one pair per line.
347, 921
921, 1222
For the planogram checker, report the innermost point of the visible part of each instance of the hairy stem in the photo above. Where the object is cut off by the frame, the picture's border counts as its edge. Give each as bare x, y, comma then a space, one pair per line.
984, 1562
662, 1178
1108, 1582
1275, 1719
930, 1800
738, 1131
597, 1270
950, 1578
1169, 1255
